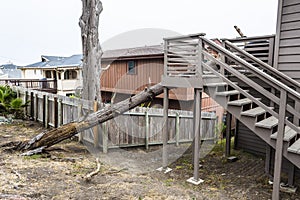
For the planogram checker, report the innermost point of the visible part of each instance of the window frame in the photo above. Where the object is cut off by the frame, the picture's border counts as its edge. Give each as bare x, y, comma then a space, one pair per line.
132, 71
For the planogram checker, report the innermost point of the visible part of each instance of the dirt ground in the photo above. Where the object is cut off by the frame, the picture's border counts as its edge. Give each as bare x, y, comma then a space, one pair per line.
125, 173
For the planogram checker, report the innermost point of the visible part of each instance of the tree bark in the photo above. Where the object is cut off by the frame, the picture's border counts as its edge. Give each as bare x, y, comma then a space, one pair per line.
91, 65
49, 138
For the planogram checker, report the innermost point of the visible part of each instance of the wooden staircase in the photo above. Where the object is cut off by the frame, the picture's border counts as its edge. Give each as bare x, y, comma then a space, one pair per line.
262, 98
256, 118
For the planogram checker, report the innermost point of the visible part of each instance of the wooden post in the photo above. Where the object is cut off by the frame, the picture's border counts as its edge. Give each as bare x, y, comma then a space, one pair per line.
55, 110
177, 129
36, 107
279, 145
268, 160
79, 113
104, 137
95, 129
60, 112
46, 108
291, 174
228, 134
197, 129
25, 100
31, 105
165, 128
147, 127
197, 115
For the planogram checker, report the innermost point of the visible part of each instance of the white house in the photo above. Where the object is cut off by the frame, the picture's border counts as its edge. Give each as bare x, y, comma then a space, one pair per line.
65, 71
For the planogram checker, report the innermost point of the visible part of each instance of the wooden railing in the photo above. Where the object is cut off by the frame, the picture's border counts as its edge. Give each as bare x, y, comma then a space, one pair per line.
285, 98
262, 47
47, 85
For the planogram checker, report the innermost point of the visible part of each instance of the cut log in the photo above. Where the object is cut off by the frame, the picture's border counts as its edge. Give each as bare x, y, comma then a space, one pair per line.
49, 138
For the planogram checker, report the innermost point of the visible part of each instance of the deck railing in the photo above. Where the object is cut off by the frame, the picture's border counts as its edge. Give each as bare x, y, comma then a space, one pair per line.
46, 85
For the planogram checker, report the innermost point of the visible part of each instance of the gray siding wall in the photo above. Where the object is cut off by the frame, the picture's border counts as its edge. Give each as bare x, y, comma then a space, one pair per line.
289, 39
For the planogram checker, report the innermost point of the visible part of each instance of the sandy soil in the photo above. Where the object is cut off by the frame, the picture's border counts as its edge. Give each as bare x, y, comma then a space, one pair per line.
125, 173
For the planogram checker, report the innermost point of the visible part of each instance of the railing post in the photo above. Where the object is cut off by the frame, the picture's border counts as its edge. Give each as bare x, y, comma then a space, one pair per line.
199, 70
279, 144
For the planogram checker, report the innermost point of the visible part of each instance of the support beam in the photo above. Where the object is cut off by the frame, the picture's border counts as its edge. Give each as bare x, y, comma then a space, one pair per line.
279, 145
197, 128
164, 167
228, 134
268, 161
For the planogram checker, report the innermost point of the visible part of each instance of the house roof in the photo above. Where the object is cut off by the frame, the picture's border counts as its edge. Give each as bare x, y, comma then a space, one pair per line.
133, 52
10, 70
76, 60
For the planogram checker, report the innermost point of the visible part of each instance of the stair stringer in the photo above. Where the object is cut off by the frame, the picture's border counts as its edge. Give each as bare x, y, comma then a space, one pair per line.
249, 122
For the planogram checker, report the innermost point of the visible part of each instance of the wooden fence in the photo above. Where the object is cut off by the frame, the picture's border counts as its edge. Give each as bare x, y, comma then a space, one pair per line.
138, 127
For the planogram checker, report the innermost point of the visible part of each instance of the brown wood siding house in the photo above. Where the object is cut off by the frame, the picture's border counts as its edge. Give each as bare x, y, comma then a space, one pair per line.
119, 80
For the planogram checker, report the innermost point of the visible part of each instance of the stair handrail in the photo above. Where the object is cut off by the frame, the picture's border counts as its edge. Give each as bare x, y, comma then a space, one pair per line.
265, 66
262, 74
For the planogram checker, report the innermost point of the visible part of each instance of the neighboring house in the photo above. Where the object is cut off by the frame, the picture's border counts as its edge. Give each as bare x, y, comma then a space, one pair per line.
9, 71
129, 71
65, 71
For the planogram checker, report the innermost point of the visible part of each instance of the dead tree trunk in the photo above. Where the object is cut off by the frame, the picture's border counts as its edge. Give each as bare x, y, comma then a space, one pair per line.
91, 65
47, 139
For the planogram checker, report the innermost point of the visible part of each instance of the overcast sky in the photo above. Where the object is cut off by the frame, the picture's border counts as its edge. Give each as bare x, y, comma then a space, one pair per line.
31, 28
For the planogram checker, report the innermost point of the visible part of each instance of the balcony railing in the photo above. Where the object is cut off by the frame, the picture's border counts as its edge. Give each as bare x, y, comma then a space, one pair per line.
46, 85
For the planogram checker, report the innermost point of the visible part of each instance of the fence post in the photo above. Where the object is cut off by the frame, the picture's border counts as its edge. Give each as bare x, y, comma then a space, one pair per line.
36, 107
31, 105
59, 113
104, 138
147, 130
95, 129
79, 111
25, 100
55, 105
177, 129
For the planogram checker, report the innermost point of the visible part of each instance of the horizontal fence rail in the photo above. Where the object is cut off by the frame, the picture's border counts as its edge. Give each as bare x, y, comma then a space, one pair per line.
138, 127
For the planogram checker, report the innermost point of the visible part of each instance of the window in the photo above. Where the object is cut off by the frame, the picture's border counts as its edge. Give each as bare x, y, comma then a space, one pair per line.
131, 68
70, 74
48, 74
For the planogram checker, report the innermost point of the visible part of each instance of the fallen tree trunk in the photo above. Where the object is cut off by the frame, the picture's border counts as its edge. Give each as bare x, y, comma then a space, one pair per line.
49, 138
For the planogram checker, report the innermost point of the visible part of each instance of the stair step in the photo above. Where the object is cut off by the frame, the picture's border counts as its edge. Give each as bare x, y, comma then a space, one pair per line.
289, 134
240, 102
228, 93
267, 123
216, 84
254, 112
295, 148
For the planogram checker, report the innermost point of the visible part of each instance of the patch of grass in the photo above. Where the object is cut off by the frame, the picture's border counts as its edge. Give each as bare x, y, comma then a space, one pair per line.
169, 181
33, 157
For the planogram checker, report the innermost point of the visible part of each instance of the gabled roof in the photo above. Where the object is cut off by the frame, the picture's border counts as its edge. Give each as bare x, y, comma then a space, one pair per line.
133, 52
76, 60
10, 70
